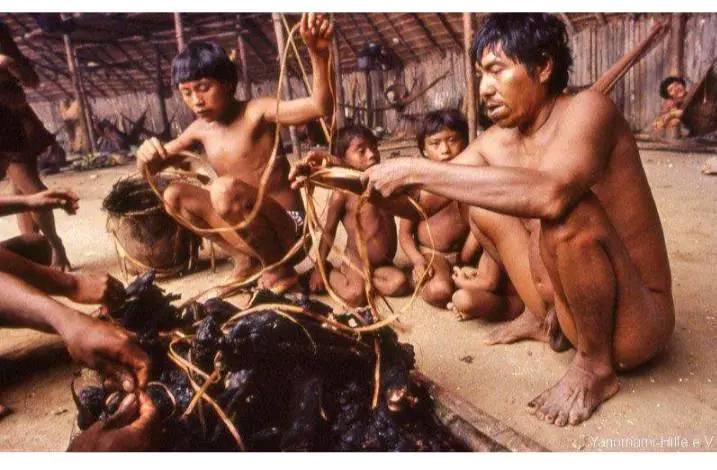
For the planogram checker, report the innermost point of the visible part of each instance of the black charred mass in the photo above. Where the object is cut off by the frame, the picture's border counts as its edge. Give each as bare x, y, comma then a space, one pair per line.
286, 382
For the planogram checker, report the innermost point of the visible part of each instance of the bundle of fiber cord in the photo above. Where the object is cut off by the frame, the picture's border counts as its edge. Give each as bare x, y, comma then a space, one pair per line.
145, 237
279, 374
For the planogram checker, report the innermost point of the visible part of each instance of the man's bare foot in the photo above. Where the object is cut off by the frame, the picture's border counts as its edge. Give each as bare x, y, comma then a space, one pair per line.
96, 288
525, 326
279, 280
577, 395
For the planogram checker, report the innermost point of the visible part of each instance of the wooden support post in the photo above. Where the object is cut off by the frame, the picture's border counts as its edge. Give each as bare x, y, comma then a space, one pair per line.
241, 50
281, 45
160, 94
471, 111
179, 31
338, 82
677, 44
86, 121
369, 99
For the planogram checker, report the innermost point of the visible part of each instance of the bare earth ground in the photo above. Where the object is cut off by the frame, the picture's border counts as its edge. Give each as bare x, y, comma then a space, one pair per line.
670, 404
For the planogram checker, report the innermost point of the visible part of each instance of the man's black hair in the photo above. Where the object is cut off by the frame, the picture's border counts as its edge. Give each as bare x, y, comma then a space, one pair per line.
200, 59
669, 81
528, 38
348, 133
436, 121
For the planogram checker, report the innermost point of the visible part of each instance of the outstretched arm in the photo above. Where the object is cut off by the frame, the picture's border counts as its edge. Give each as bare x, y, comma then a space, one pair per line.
316, 30
569, 168
155, 156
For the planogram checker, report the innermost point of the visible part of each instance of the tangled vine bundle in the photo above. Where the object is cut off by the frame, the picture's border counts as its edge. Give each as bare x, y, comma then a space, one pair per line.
281, 374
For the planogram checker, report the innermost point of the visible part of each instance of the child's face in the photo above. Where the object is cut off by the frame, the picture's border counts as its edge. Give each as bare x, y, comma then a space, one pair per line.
443, 145
362, 154
676, 90
206, 97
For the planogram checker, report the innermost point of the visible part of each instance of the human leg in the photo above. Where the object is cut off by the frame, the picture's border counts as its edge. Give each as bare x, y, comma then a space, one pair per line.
390, 281
603, 307
440, 287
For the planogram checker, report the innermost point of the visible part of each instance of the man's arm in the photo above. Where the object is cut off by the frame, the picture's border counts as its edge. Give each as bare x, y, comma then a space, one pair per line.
316, 30
48, 199
156, 156
570, 166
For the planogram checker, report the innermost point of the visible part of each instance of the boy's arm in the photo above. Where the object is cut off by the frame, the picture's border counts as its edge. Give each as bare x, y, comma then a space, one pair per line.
406, 229
316, 30
470, 249
334, 213
156, 156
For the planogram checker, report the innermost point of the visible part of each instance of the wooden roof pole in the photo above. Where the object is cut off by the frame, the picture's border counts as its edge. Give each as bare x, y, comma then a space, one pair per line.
86, 122
159, 84
449, 29
471, 110
607, 80
677, 44
280, 43
179, 31
241, 49
338, 80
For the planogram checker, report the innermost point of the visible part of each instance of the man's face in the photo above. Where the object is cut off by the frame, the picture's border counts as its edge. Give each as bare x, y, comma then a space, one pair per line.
362, 154
443, 145
507, 89
206, 97
676, 90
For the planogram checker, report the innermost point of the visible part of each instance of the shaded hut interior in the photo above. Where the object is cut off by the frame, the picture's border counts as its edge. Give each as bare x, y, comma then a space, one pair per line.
123, 62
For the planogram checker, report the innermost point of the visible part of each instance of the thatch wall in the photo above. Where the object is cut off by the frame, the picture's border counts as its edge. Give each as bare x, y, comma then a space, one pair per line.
595, 48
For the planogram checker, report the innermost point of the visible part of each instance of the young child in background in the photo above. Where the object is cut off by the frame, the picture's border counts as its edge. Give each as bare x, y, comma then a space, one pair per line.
357, 148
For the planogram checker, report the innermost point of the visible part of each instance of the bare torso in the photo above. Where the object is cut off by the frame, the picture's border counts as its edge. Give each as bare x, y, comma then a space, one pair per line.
379, 231
622, 190
447, 226
242, 149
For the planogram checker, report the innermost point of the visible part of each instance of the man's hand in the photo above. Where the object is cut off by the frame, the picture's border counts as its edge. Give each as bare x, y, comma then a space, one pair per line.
108, 349
313, 160
128, 430
316, 31
53, 199
97, 288
392, 176
419, 270
316, 282
150, 155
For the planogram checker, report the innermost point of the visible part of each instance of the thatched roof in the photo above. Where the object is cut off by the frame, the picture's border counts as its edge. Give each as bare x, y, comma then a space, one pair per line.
118, 52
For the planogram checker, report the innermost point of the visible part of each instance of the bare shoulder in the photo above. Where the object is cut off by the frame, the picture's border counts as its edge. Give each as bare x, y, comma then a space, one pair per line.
493, 146
590, 105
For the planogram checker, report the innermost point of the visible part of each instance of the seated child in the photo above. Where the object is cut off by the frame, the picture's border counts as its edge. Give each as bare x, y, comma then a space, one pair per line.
357, 148
443, 135
238, 137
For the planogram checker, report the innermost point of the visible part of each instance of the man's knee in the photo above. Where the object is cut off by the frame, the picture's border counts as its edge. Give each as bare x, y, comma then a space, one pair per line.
229, 195
32, 246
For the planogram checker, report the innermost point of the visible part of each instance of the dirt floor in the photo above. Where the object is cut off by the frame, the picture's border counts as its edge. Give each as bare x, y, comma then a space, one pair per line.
670, 404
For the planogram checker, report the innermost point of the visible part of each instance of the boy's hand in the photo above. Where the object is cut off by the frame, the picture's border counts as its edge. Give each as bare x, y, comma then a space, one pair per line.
317, 31
150, 155
54, 198
316, 282
313, 160
419, 270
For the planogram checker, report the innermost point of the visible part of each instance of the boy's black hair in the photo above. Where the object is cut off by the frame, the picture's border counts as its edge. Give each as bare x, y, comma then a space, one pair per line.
348, 133
436, 121
202, 59
669, 81
528, 38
